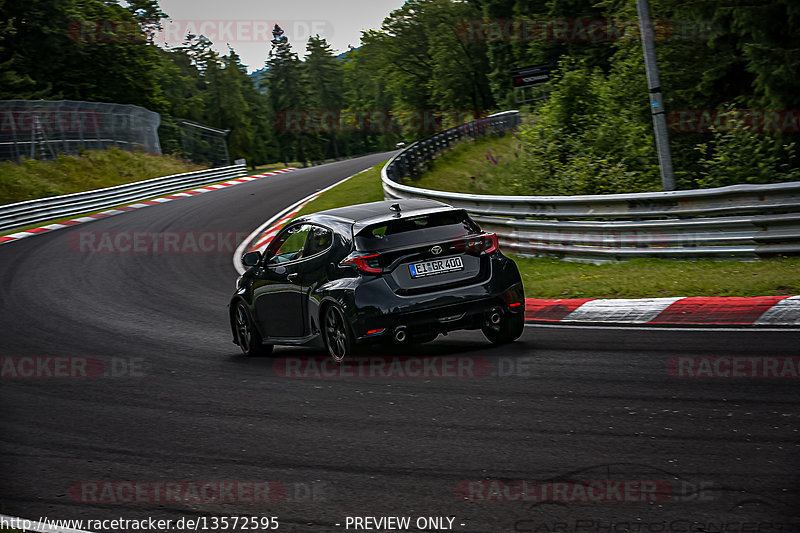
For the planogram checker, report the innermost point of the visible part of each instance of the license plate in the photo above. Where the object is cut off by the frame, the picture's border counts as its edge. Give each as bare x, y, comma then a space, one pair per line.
437, 266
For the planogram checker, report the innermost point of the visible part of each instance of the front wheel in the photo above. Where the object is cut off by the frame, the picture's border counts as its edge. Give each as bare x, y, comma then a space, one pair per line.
337, 335
247, 336
508, 330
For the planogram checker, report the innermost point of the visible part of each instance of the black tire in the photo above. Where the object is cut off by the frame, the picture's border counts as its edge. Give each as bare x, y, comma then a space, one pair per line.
247, 336
508, 330
336, 333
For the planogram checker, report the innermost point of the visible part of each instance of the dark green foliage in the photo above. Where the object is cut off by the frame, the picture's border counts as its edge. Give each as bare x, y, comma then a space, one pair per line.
594, 135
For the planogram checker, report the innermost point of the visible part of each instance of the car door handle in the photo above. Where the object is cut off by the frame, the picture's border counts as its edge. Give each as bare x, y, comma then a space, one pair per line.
291, 277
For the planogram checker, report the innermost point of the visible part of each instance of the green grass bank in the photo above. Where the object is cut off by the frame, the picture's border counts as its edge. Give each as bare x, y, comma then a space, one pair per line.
33, 179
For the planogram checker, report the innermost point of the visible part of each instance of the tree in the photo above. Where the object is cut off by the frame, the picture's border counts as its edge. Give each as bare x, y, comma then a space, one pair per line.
87, 50
364, 92
323, 77
226, 104
287, 96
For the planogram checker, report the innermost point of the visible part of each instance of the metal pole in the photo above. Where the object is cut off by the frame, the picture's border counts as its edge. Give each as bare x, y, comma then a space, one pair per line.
656, 100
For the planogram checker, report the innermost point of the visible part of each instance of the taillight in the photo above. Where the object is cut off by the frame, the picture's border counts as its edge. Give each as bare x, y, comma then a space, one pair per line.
489, 242
484, 243
368, 264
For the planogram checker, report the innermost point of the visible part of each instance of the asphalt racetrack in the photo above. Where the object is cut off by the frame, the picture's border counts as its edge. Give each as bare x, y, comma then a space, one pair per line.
610, 435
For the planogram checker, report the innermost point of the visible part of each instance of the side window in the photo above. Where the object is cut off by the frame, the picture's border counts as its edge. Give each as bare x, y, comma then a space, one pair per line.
319, 240
291, 245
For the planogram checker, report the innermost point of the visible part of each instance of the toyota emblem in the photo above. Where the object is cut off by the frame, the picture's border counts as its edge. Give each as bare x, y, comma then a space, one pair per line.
436, 250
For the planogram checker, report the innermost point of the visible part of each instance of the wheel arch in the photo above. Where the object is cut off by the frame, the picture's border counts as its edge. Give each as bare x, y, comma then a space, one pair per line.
234, 303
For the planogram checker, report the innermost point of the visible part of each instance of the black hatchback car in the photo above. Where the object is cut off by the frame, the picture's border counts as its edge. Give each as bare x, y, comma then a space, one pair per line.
398, 271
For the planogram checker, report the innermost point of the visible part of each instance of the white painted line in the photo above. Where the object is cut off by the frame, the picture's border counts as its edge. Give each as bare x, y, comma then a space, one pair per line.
122, 209
23, 524
784, 313
628, 310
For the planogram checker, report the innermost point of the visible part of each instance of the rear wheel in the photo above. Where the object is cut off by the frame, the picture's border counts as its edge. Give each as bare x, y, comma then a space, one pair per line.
508, 330
337, 335
247, 336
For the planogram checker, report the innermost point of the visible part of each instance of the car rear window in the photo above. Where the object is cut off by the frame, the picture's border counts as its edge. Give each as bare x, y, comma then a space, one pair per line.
416, 229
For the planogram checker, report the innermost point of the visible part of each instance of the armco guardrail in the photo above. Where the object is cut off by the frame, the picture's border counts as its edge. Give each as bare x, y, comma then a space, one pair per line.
34, 211
742, 221
413, 160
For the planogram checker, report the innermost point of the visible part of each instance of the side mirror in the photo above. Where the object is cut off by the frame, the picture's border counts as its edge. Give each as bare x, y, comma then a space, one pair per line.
251, 259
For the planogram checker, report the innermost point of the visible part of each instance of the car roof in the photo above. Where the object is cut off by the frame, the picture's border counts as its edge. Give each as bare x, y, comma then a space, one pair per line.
362, 215
378, 210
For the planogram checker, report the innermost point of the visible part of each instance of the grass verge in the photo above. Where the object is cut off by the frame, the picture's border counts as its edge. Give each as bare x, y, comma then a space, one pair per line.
649, 278
488, 165
638, 278
360, 189
33, 179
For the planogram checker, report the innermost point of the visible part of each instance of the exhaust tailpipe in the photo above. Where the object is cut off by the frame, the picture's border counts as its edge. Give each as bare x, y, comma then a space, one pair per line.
494, 318
400, 335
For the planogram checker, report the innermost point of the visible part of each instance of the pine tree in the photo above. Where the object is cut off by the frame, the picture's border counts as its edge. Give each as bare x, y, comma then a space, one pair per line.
323, 77
287, 96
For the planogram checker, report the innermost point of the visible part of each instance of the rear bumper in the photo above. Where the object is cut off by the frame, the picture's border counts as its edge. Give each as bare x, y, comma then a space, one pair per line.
379, 312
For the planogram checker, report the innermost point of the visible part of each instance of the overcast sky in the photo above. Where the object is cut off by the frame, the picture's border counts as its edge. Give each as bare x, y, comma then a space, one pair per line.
247, 24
